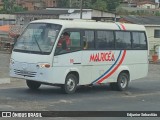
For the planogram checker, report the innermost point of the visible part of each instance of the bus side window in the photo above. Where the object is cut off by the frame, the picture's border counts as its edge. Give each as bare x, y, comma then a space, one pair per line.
88, 39
105, 40
123, 40
85, 43
139, 40
69, 41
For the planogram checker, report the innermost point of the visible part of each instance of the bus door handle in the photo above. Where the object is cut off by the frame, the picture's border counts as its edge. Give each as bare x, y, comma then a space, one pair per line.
76, 63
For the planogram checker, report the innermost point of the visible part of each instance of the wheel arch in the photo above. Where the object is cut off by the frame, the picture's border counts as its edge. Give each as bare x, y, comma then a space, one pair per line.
74, 72
127, 72
123, 69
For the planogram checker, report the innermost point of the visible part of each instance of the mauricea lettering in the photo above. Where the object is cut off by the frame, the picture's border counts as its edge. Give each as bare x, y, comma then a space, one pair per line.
101, 57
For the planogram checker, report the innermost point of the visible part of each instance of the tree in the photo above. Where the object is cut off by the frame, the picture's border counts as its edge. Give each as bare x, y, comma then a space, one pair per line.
77, 3
63, 3
9, 6
113, 4
157, 13
87, 3
100, 5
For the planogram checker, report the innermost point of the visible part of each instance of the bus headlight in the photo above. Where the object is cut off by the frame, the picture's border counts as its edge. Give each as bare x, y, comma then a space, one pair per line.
12, 61
43, 65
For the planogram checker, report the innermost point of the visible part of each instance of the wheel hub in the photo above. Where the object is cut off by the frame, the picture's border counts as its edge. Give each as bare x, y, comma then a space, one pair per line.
70, 84
123, 82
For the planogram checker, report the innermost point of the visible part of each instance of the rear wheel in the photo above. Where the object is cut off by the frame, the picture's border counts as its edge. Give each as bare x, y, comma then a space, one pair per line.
122, 82
70, 84
34, 85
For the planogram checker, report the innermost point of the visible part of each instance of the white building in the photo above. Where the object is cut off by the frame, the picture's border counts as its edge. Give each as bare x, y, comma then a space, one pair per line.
7, 19
152, 25
148, 5
24, 18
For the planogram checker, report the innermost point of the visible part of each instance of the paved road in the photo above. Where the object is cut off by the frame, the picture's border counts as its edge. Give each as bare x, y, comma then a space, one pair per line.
142, 95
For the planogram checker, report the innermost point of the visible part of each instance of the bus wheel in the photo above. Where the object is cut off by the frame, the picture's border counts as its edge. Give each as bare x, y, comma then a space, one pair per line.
34, 85
122, 82
70, 84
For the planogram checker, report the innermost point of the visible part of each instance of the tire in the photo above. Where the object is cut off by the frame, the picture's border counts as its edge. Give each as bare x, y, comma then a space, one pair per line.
34, 85
122, 82
70, 85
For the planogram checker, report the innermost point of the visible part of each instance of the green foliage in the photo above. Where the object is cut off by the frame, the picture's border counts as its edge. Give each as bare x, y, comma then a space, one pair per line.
157, 13
100, 5
74, 3
109, 5
63, 3
87, 3
112, 4
9, 7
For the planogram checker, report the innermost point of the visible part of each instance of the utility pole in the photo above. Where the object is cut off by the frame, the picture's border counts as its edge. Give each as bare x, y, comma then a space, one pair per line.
81, 9
70, 3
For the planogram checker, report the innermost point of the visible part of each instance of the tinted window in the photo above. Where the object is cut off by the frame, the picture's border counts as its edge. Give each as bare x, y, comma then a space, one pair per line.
105, 40
123, 40
75, 39
139, 40
68, 42
88, 40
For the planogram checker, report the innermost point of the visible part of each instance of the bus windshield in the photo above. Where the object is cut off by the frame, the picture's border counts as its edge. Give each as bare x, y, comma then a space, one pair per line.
38, 38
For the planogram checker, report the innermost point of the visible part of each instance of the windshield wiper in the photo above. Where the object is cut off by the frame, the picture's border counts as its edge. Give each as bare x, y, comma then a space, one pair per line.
38, 44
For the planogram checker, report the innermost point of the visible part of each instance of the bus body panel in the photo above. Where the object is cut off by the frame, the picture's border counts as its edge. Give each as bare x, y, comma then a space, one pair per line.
92, 66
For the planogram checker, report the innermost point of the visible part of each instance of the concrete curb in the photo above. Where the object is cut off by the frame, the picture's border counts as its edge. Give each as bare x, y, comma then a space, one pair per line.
5, 80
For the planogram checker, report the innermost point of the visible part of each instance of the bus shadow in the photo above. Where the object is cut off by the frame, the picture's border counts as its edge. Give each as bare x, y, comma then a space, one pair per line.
50, 92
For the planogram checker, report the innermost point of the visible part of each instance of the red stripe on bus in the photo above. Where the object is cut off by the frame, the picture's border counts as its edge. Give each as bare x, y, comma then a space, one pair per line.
123, 27
108, 75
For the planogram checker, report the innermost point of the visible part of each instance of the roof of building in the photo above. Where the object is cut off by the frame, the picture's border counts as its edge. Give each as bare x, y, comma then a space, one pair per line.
50, 12
131, 9
146, 2
154, 20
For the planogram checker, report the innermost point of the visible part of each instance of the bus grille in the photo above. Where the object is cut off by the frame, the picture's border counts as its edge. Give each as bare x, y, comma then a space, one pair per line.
25, 73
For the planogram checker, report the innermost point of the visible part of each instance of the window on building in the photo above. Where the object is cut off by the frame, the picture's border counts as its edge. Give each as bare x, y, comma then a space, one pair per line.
157, 33
123, 40
105, 40
139, 40
148, 7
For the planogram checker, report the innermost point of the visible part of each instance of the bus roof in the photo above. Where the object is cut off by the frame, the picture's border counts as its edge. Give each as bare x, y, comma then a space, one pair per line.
92, 25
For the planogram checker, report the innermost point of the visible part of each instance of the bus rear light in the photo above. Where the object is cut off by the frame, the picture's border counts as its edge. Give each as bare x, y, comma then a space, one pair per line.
44, 65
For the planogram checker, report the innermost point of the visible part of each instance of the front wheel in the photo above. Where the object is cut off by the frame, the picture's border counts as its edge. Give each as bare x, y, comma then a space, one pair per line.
70, 84
122, 82
34, 85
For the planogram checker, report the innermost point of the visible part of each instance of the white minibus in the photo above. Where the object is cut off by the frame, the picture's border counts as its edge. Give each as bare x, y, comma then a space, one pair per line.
72, 53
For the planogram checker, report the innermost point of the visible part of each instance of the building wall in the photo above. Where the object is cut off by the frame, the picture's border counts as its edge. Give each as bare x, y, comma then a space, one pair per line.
152, 40
97, 13
50, 3
148, 6
7, 19
85, 15
34, 5
28, 5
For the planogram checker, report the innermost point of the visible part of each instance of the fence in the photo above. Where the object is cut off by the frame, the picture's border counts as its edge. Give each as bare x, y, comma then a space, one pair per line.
7, 38
6, 44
